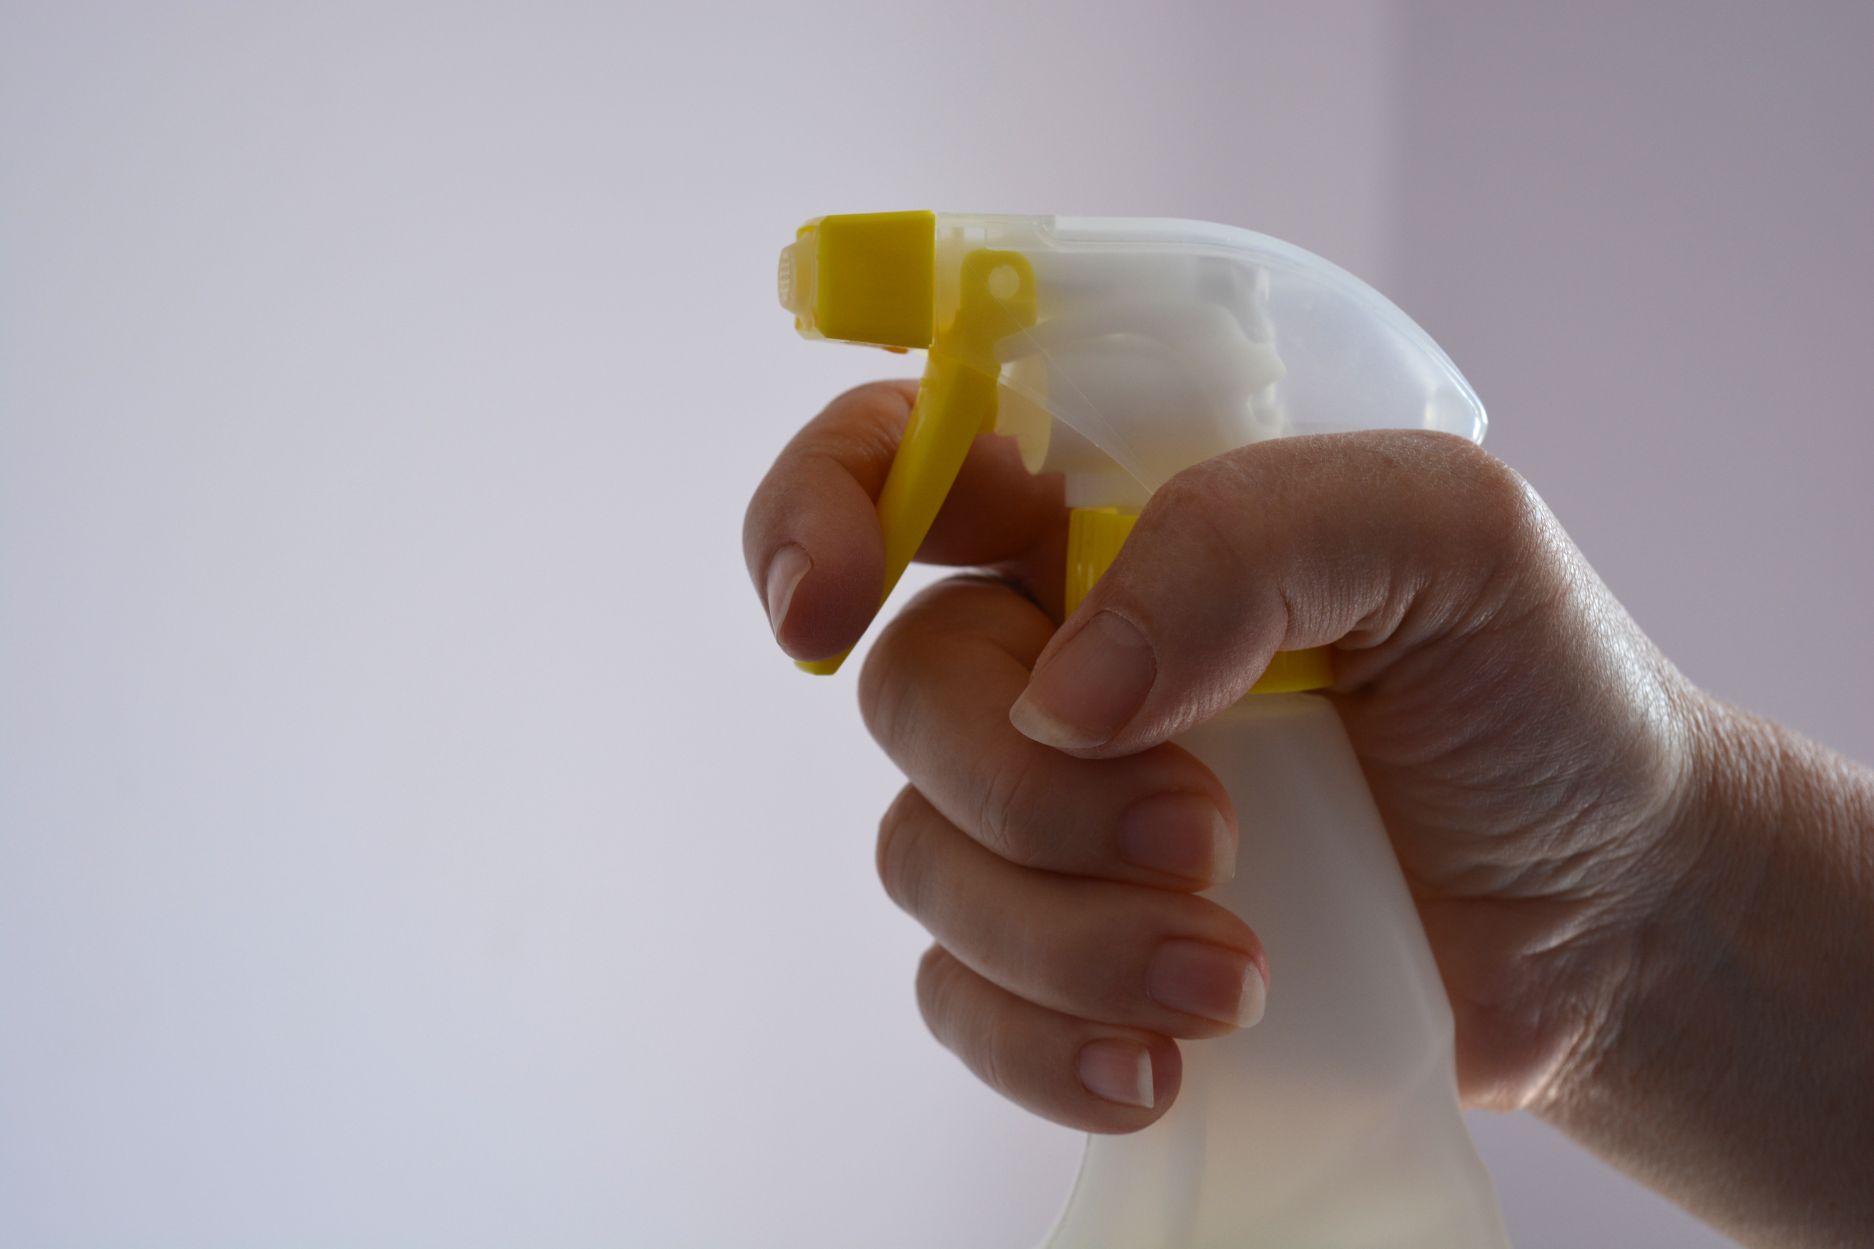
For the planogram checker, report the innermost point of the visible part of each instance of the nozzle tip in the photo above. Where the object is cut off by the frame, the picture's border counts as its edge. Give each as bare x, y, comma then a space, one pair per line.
786, 279
862, 278
794, 280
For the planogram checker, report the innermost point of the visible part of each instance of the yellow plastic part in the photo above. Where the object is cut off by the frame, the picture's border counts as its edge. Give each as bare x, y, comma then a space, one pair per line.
1094, 536
955, 402
874, 281
875, 277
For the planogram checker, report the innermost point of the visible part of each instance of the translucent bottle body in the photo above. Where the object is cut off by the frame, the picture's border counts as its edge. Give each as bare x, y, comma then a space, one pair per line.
1334, 1123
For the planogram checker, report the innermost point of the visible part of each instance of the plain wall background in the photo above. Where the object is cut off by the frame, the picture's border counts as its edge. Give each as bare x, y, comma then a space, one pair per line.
407, 834
1643, 231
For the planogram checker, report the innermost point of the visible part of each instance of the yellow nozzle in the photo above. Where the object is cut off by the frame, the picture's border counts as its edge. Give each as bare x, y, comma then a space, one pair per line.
863, 278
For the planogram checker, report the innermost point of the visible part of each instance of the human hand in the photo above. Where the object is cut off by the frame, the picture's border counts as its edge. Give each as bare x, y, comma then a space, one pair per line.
1526, 745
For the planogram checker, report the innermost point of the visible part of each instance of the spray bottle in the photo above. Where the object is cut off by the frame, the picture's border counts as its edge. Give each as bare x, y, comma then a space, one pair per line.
1117, 352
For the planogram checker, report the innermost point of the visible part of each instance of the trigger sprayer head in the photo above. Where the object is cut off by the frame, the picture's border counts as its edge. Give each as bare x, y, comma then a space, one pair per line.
1116, 352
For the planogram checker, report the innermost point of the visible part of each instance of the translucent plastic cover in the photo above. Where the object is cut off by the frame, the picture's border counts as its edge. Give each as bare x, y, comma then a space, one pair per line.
1160, 343
1334, 1122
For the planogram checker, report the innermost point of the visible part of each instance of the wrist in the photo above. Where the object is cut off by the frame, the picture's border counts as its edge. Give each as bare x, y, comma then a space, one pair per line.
1692, 854
1729, 1067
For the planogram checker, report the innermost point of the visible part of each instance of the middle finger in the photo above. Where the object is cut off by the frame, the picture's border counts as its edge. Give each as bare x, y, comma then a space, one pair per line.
936, 693
1113, 953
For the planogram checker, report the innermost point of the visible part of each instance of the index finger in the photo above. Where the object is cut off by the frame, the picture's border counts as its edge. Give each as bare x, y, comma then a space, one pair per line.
811, 535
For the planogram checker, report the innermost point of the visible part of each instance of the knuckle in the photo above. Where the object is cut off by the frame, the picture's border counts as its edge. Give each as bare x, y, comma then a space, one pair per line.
1208, 517
966, 1023
913, 648
1008, 816
896, 838
993, 1061
871, 418
936, 992
1516, 529
1496, 499
888, 686
1495, 531
1522, 522
889, 397
1202, 505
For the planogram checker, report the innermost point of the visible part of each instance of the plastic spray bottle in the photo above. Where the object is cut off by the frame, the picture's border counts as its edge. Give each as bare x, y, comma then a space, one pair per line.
1117, 352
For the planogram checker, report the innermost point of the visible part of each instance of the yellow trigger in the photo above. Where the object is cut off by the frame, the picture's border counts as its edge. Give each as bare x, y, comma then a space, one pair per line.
956, 401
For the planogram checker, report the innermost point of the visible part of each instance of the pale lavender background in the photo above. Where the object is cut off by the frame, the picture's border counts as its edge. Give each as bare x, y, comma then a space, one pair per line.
406, 834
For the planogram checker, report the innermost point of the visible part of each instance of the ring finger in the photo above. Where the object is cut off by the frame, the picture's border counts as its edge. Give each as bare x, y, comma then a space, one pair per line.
1113, 953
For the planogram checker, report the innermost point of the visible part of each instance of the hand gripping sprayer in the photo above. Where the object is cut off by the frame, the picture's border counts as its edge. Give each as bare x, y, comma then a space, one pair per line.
1117, 352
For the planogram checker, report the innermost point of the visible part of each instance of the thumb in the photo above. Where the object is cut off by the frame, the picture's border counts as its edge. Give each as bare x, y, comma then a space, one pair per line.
1373, 542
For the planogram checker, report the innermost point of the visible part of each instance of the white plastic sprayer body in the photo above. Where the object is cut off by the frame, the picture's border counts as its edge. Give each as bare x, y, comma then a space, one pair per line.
1118, 352
1334, 1123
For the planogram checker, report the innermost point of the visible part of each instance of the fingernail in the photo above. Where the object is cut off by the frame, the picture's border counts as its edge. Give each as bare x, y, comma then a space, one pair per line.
785, 570
1180, 834
1119, 1071
1087, 691
1203, 979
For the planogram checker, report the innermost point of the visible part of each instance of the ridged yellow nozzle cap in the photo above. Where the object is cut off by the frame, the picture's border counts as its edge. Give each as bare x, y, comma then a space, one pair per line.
863, 278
